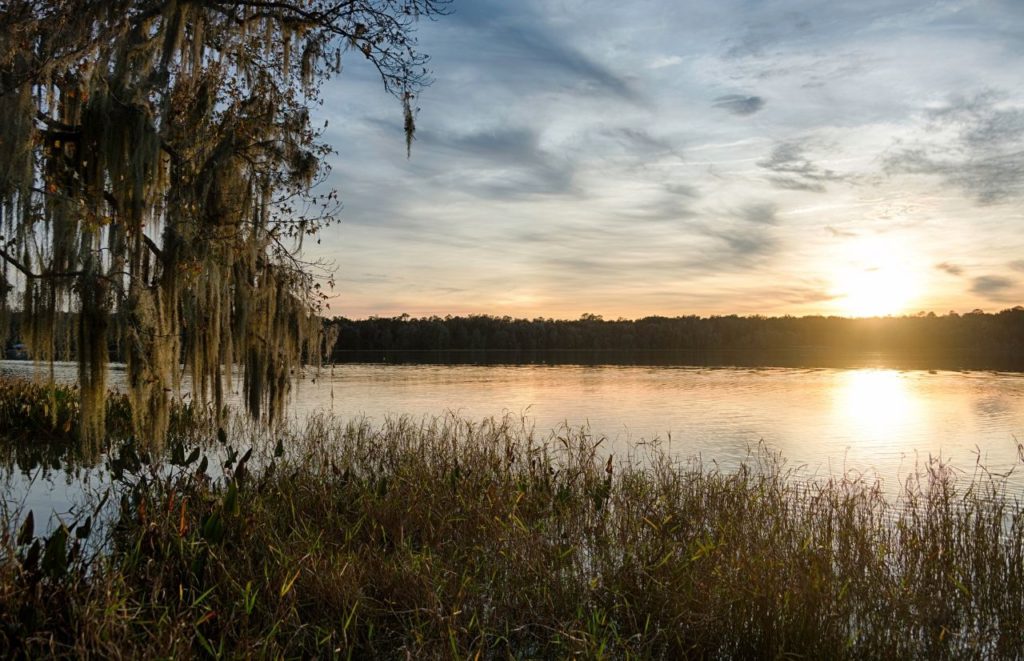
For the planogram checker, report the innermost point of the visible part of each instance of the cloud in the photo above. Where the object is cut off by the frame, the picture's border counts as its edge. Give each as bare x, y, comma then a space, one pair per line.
499, 144
739, 104
789, 157
663, 61
762, 213
759, 36
794, 171
536, 168
989, 179
801, 295
664, 203
993, 287
664, 207
641, 142
840, 233
575, 252
523, 39
682, 190
973, 143
365, 278
556, 55
793, 183
501, 162
743, 244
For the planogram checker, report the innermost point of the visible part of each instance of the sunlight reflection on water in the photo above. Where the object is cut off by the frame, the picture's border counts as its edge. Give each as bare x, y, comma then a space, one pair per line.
828, 421
874, 403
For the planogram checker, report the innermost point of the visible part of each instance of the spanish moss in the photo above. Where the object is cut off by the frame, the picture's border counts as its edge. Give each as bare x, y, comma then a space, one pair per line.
158, 172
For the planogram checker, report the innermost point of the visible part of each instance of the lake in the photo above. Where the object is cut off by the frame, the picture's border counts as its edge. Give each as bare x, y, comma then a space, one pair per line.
829, 421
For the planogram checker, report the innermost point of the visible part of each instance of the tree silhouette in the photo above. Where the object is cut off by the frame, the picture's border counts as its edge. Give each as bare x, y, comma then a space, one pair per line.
971, 341
156, 165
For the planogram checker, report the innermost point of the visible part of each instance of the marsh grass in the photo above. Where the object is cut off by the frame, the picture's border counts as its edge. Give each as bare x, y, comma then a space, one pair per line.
451, 539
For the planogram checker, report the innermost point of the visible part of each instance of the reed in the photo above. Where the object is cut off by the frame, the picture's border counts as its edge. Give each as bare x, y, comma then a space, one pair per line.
450, 538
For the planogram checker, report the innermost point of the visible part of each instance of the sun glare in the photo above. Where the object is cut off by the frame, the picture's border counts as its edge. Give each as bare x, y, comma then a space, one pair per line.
877, 280
877, 404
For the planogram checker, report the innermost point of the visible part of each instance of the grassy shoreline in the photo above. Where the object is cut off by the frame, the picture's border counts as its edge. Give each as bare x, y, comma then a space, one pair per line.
452, 539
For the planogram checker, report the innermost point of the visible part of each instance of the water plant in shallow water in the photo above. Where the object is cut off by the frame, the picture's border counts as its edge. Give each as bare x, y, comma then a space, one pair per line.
446, 537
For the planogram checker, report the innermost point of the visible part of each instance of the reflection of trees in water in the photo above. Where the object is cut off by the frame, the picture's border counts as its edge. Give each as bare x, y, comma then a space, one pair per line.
46, 454
793, 358
40, 424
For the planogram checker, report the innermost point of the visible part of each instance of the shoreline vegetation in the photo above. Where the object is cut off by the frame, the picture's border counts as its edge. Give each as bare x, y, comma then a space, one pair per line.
971, 341
975, 340
458, 539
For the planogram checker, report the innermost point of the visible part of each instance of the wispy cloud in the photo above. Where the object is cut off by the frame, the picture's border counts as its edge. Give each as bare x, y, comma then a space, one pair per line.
696, 157
501, 163
793, 170
975, 143
840, 233
523, 38
803, 295
641, 142
662, 61
760, 36
760, 213
740, 104
993, 287
743, 247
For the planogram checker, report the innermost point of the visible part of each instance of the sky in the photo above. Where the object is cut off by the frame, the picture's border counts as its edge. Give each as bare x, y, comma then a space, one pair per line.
671, 158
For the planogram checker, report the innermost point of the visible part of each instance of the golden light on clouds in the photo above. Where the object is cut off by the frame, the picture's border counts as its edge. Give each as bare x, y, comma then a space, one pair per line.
750, 172
876, 277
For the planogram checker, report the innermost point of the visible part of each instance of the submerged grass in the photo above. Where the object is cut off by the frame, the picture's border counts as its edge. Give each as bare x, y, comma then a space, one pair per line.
448, 538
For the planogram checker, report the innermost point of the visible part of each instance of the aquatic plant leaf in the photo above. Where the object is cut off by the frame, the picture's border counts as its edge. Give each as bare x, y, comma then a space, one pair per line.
231, 498
31, 558
55, 556
213, 528
27, 529
83, 529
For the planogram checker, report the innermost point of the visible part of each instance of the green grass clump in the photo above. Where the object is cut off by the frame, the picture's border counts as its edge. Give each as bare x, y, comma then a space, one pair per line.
451, 539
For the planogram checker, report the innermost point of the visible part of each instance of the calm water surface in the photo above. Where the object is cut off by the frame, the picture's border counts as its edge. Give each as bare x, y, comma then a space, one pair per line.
828, 420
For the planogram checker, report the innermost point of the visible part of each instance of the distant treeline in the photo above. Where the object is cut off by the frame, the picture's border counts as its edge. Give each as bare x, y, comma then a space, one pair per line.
975, 340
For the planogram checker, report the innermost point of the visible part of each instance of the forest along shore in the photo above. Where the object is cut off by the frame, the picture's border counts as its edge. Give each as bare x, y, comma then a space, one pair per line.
971, 341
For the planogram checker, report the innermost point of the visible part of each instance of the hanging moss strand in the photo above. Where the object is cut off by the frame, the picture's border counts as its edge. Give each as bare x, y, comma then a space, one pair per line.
158, 172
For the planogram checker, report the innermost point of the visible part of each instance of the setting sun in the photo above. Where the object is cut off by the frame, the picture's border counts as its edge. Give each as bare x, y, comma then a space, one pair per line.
878, 280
